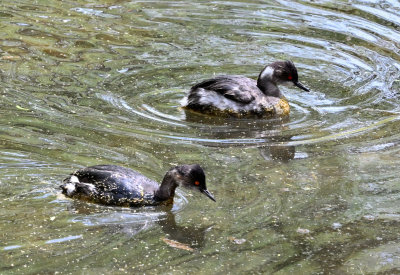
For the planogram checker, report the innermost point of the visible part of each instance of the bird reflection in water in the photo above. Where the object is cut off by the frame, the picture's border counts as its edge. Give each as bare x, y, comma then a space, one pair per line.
265, 134
189, 235
130, 222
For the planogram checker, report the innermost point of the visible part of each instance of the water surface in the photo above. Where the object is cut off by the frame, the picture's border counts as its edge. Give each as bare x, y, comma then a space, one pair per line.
91, 82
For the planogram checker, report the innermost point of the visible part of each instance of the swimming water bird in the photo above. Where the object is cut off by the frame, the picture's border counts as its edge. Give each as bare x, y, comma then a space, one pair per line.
115, 185
241, 96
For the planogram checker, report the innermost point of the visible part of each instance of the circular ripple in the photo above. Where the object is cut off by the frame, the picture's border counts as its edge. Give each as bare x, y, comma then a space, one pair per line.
347, 60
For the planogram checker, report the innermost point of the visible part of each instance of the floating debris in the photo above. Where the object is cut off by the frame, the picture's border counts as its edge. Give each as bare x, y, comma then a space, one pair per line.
303, 231
369, 217
21, 108
237, 241
336, 225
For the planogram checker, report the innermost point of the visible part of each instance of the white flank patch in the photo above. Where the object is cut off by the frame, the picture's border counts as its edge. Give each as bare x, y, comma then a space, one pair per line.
267, 73
211, 98
74, 179
70, 188
91, 187
208, 97
184, 101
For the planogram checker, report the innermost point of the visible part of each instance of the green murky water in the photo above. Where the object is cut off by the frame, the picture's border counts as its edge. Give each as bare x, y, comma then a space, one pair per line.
91, 82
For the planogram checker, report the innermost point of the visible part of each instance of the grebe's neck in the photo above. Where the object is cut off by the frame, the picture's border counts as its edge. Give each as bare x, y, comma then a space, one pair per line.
267, 84
168, 185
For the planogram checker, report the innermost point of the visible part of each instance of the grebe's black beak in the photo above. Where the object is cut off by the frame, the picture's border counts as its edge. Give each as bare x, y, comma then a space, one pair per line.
301, 86
208, 194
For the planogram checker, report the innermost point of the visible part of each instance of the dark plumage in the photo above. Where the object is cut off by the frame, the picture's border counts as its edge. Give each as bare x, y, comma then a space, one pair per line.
115, 185
242, 96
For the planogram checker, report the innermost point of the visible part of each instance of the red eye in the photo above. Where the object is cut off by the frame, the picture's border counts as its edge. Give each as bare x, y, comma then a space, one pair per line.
290, 77
197, 182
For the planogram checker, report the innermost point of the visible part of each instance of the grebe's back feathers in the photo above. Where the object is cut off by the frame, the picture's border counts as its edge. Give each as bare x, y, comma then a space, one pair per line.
234, 87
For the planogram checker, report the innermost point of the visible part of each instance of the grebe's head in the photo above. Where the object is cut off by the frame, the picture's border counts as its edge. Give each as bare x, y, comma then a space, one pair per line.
281, 72
193, 177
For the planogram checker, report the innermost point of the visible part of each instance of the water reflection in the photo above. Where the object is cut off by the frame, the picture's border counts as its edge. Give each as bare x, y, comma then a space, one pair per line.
191, 235
266, 134
278, 153
132, 221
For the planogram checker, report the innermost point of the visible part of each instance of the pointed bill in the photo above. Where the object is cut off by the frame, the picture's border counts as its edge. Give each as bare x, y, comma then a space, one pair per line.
301, 86
208, 194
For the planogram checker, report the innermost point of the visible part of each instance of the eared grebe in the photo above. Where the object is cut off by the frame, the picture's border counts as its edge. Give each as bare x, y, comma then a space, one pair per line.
241, 96
115, 185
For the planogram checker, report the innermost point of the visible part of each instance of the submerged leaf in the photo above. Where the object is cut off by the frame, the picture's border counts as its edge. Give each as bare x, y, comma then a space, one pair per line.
176, 244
